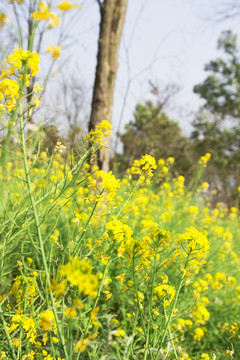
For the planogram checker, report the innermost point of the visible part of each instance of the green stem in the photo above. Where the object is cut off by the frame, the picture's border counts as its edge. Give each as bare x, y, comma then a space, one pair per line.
10, 344
76, 168
98, 295
129, 197
170, 337
78, 243
31, 36
37, 223
172, 309
150, 307
138, 301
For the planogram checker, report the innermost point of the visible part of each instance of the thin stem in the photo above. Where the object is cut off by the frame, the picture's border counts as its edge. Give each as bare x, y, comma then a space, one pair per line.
98, 294
150, 307
129, 197
171, 339
76, 168
7, 334
138, 301
37, 223
78, 244
172, 309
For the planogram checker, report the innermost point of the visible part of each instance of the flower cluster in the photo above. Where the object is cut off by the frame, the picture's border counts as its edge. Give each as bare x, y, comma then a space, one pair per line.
197, 242
109, 184
24, 287
20, 321
166, 293
79, 273
44, 13
204, 159
144, 167
100, 132
15, 74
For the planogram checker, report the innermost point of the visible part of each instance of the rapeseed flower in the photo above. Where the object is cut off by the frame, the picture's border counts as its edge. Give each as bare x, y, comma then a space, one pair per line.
97, 135
47, 321
67, 5
198, 334
55, 50
82, 344
24, 287
44, 13
165, 292
79, 273
3, 20
197, 242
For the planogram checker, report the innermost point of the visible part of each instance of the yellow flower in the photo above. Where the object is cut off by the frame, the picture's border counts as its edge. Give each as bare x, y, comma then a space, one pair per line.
102, 130
29, 356
21, 57
36, 101
198, 334
47, 321
166, 292
30, 261
233, 330
16, 342
93, 314
26, 323
120, 277
3, 19
54, 20
67, 5
197, 242
3, 355
55, 340
82, 344
204, 159
58, 288
23, 286
144, 166
44, 13
37, 88
55, 50
119, 230
119, 333
108, 294
18, 1
79, 273
71, 312
205, 357
78, 304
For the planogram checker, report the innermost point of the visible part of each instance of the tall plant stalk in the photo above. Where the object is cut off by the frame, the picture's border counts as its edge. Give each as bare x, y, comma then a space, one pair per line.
37, 224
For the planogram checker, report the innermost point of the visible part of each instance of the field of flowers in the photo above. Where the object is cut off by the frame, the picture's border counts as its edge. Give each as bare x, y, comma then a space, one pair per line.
94, 267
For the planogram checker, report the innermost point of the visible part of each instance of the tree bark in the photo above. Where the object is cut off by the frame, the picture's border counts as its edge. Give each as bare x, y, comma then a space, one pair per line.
111, 27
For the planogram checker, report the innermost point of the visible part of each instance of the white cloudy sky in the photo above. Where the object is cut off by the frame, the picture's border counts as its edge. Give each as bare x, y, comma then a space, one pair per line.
165, 41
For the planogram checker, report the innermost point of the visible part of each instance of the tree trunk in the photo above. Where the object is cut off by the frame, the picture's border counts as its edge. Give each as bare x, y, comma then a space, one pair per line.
111, 27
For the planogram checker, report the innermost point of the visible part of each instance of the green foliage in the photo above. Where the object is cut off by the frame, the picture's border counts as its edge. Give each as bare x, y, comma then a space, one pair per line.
217, 127
152, 132
221, 89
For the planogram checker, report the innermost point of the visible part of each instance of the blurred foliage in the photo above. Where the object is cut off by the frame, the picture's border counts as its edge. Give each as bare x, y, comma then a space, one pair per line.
152, 132
217, 127
221, 89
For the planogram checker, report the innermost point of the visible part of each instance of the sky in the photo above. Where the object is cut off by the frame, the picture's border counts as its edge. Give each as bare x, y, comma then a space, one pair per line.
165, 42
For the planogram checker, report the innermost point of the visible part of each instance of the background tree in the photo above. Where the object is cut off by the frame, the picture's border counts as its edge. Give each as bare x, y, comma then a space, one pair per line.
221, 89
112, 14
152, 132
217, 126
